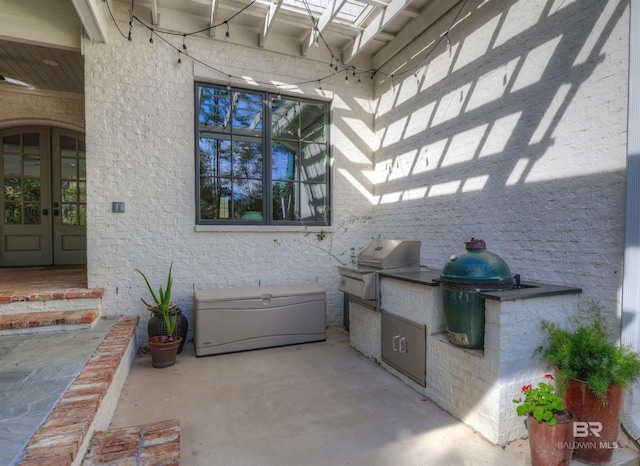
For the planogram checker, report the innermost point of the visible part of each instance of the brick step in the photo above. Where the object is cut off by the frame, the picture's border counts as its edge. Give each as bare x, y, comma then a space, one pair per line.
58, 300
88, 403
157, 443
36, 322
7, 297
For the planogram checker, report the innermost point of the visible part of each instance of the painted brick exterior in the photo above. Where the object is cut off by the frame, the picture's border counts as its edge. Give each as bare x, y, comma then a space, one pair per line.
516, 134
140, 137
29, 107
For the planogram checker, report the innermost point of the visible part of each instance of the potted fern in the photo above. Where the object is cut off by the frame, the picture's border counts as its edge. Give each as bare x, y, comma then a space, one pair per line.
592, 373
163, 343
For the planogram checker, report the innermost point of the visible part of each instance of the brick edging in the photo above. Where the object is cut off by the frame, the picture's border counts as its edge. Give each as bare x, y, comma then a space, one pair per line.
58, 440
157, 441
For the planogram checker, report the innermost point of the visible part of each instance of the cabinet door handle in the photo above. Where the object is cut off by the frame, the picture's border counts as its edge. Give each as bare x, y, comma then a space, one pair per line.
401, 341
395, 339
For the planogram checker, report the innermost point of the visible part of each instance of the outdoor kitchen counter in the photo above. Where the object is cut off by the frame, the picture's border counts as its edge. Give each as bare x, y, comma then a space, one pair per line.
528, 290
474, 385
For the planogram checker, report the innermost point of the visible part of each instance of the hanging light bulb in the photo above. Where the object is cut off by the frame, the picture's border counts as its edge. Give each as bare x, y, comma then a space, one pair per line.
184, 45
346, 79
229, 85
227, 35
331, 64
315, 32
179, 57
151, 37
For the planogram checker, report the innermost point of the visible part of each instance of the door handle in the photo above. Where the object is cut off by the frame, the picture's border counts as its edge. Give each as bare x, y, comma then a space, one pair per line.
393, 344
403, 340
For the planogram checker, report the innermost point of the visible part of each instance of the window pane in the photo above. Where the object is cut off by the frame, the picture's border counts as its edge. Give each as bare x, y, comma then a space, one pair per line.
314, 162
285, 118
313, 122
31, 166
12, 214
11, 144
247, 199
215, 157
82, 192
313, 202
284, 161
12, 189
82, 214
69, 191
69, 214
12, 165
32, 189
215, 109
284, 201
68, 169
247, 159
31, 143
32, 214
215, 198
82, 166
67, 143
247, 112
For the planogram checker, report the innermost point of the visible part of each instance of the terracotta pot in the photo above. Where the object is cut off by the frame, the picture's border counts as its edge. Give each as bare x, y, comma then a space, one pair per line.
156, 327
593, 445
551, 445
163, 352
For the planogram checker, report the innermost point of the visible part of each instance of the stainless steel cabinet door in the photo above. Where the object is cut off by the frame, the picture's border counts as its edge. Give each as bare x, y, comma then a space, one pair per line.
404, 346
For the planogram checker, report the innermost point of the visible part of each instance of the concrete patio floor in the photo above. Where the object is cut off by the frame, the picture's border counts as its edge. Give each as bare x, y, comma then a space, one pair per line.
312, 404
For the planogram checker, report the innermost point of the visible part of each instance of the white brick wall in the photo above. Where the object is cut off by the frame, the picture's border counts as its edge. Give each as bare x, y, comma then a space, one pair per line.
476, 386
140, 142
41, 107
517, 135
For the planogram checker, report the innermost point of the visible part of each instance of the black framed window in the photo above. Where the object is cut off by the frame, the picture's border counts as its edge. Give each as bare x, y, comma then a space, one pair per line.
261, 158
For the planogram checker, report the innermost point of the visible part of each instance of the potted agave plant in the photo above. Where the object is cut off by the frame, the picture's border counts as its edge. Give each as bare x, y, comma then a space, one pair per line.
163, 344
549, 424
592, 372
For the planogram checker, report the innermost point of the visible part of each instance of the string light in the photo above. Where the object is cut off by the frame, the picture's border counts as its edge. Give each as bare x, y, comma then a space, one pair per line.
334, 65
315, 32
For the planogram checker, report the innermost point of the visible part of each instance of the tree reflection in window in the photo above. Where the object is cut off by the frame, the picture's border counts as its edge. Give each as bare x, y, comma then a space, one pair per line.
249, 171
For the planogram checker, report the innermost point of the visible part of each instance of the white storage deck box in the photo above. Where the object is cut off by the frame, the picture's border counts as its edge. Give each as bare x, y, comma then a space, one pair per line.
239, 319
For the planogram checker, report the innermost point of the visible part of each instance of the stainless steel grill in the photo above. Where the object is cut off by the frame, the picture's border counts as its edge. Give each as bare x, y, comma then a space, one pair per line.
361, 281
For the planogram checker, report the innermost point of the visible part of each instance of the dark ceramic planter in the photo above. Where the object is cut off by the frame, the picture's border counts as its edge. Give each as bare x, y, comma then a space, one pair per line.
551, 445
156, 327
163, 353
596, 446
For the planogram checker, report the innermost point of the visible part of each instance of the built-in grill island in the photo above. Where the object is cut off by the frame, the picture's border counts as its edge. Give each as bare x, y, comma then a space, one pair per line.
401, 325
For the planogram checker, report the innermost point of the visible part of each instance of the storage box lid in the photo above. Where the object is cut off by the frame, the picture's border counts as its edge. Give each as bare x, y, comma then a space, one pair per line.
255, 292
